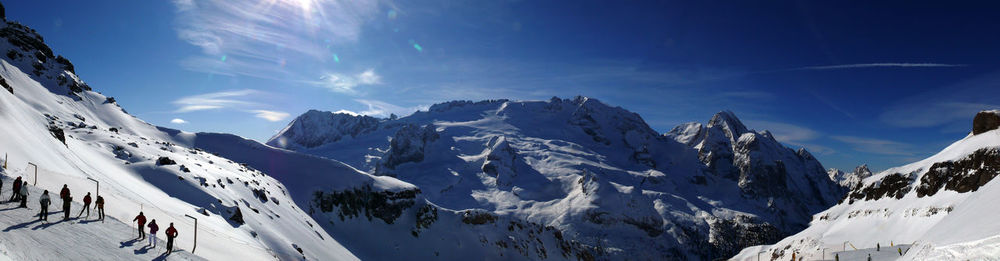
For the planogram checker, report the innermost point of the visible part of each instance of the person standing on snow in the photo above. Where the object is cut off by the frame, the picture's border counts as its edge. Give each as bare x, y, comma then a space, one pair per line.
100, 207
17, 189
152, 233
64, 193
171, 234
86, 205
44, 201
142, 222
66, 205
24, 195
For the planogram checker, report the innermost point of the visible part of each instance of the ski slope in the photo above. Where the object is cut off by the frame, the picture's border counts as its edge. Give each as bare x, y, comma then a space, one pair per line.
25, 237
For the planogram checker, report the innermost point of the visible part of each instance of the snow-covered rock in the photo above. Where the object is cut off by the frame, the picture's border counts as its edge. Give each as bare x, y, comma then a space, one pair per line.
941, 207
791, 181
848, 180
313, 128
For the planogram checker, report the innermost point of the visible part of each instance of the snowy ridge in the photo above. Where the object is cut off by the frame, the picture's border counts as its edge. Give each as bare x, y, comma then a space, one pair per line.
610, 185
941, 204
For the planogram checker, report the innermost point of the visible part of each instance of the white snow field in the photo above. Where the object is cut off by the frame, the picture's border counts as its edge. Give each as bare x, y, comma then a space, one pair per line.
123, 153
940, 222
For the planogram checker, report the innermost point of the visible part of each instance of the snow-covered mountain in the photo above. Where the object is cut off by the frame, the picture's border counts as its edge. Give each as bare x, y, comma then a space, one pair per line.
565, 178
51, 119
848, 180
939, 208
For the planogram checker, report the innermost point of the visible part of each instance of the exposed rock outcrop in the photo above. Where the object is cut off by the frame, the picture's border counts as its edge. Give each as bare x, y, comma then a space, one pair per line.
985, 121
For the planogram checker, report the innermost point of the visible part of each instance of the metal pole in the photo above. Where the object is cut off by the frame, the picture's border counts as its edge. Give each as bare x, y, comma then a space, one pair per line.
195, 232
36, 173
98, 185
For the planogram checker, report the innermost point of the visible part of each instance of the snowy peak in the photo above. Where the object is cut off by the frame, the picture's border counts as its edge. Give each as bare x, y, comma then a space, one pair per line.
315, 128
848, 180
761, 166
727, 121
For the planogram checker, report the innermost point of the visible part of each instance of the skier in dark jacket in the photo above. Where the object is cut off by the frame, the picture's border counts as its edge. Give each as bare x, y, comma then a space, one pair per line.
64, 193
152, 232
171, 234
17, 189
44, 201
86, 205
66, 205
142, 222
24, 195
99, 205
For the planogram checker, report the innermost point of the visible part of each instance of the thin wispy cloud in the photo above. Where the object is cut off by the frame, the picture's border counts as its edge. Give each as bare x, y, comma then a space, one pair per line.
215, 100
270, 115
793, 135
348, 83
278, 40
178, 121
951, 107
878, 65
235, 100
877, 146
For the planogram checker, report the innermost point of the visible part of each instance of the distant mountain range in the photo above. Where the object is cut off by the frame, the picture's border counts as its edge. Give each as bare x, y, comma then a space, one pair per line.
610, 185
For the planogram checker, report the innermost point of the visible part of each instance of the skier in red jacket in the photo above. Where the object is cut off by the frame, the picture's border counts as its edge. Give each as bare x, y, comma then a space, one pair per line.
171, 234
142, 222
86, 205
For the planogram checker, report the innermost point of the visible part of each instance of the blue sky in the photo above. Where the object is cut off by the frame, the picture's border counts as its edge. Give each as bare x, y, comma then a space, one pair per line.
882, 83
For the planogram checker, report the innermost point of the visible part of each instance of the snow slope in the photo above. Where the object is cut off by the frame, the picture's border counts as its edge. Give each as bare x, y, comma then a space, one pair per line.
27, 238
944, 205
595, 180
104, 143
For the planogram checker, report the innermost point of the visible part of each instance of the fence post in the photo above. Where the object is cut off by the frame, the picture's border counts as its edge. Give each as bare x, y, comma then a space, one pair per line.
195, 232
98, 186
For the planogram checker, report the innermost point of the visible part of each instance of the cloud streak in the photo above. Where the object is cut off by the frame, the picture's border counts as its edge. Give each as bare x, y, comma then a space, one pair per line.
215, 100
237, 100
794, 135
178, 121
879, 65
271, 116
877, 146
347, 83
278, 40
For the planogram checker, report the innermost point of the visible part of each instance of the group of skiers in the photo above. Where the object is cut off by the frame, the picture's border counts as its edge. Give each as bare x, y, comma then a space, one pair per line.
20, 189
44, 201
153, 227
